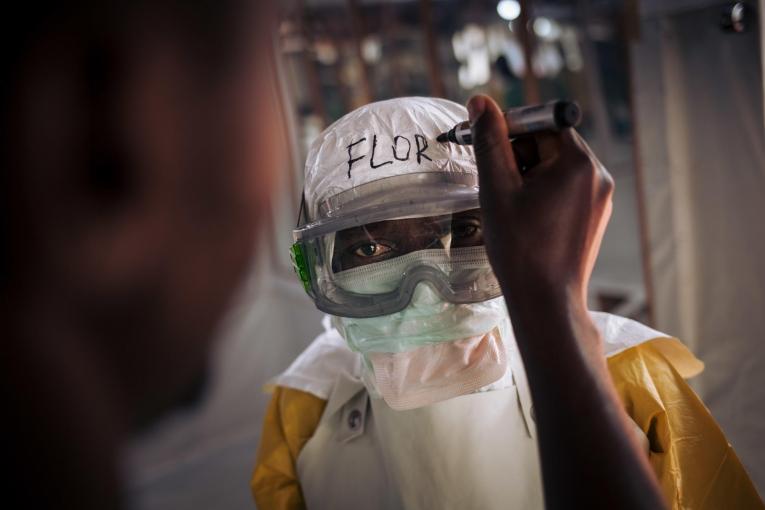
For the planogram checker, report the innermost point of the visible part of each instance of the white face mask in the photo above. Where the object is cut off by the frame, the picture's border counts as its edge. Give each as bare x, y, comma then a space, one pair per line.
432, 350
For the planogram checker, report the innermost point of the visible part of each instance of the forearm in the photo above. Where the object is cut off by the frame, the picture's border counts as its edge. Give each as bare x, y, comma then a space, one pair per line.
589, 455
542, 233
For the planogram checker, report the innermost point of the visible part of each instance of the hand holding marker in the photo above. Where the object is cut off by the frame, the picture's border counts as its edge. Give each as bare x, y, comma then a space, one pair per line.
552, 116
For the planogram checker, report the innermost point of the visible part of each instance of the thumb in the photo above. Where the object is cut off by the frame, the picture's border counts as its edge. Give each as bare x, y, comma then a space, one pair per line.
497, 169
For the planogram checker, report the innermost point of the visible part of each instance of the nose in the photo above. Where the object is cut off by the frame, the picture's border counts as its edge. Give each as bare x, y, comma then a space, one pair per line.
425, 295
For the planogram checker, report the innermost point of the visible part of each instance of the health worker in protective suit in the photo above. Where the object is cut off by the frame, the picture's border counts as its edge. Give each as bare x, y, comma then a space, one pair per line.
415, 394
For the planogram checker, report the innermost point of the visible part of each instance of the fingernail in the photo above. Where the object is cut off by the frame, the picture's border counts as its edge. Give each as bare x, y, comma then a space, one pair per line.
475, 109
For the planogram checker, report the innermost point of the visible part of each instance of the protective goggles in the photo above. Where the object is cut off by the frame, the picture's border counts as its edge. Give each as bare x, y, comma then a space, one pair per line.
375, 243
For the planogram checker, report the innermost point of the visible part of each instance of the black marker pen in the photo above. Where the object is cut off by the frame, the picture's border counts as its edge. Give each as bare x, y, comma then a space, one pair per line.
552, 116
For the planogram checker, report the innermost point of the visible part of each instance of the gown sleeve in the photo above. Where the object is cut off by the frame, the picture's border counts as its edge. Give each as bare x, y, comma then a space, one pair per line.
696, 465
291, 420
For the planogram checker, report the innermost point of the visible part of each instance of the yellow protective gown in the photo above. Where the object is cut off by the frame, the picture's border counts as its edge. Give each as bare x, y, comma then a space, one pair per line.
696, 466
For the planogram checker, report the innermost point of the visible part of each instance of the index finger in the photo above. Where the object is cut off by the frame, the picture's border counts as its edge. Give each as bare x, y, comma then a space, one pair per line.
497, 168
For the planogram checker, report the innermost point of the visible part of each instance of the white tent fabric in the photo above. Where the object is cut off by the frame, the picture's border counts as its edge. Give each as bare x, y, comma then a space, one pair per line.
699, 106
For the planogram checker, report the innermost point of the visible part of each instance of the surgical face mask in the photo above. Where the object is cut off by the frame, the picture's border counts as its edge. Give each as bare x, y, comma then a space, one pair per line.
432, 350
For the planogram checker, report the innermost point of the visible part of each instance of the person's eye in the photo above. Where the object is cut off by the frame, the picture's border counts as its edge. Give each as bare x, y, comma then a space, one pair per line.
466, 230
370, 249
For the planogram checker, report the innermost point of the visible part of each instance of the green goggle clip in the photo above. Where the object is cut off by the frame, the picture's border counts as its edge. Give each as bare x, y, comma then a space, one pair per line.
300, 265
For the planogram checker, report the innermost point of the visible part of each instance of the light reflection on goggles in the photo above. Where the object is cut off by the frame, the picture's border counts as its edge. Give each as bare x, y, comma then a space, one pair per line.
385, 240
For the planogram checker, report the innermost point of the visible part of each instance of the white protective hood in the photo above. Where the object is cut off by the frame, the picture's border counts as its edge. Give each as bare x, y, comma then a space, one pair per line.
384, 139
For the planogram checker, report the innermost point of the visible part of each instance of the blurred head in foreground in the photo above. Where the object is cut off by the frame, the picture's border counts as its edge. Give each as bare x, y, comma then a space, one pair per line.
135, 173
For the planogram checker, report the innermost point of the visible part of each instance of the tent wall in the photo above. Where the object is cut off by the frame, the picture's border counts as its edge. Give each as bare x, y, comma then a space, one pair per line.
698, 95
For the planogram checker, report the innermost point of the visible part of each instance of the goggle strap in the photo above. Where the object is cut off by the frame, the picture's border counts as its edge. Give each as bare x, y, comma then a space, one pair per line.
301, 210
